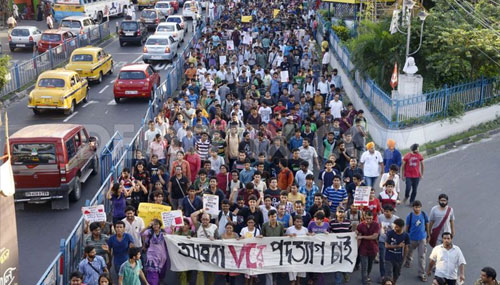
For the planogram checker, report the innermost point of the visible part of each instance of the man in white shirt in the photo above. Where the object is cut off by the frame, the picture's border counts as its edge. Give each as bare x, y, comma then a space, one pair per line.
308, 154
150, 134
265, 112
448, 259
323, 86
134, 226
296, 230
372, 164
300, 176
336, 106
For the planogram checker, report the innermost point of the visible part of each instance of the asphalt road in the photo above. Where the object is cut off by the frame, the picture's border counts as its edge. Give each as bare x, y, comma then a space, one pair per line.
39, 228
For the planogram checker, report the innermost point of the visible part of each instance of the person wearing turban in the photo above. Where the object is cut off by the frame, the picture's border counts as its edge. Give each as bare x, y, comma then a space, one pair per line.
391, 155
372, 164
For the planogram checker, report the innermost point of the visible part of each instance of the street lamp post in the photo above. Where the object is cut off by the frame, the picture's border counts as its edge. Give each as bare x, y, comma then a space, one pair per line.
408, 6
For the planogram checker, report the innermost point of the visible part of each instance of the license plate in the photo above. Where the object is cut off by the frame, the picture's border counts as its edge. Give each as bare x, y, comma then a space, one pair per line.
36, 194
130, 92
155, 57
21, 45
129, 34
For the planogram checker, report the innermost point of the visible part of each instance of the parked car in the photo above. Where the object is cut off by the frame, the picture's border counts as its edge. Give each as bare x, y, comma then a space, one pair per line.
151, 18
176, 5
165, 8
79, 25
191, 10
58, 89
136, 81
50, 162
176, 19
160, 47
53, 38
91, 63
132, 32
24, 37
171, 29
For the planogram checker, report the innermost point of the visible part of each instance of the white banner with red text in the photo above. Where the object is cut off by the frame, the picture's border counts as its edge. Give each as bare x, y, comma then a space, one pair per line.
318, 253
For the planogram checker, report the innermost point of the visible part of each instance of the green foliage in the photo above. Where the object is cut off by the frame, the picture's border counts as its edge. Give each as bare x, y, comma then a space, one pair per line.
375, 51
4, 70
324, 13
341, 30
455, 109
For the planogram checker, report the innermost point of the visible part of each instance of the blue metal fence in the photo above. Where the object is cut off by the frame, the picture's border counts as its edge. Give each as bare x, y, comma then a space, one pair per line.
114, 157
25, 73
397, 113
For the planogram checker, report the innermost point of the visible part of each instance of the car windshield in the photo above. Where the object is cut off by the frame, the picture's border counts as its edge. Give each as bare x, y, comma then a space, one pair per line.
156, 42
82, 57
162, 5
36, 153
132, 75
71, 24
148, 14
20, 33
129, 26
166, 28
174, 20
51, 37
51, 82
187, 5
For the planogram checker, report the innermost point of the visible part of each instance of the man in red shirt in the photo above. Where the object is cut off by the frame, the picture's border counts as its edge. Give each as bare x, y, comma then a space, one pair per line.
373, 206
367, 235
412, 171
285, 176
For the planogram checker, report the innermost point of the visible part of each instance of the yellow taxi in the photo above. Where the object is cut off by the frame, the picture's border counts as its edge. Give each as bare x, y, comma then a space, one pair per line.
91, 63
58, 89
141, 4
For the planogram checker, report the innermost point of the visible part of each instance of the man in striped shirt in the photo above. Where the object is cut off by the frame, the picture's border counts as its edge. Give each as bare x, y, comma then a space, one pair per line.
202, 146
336, 195
340, 225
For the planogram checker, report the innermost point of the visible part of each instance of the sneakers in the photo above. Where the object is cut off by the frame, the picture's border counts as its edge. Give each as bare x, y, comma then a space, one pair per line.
407, 265
423, 278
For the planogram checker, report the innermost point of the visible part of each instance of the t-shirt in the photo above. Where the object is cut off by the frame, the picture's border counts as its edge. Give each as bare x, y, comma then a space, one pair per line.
374, 207
371, 163
417, 225
179, 187
119, 204
385, 226
437, 215
412, 164
327, 178
337, 226
392, 238
299, 232
245, 212
246, 233
131, 276
120, 248
275, 196
315, 228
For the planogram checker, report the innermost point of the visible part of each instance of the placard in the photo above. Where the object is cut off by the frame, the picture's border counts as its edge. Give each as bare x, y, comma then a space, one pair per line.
362, 195
230, 45
284, 76
150, 211
94, 213
247, 39
275, 12
246, 19
211, 204
172, 218
318, 253
222, 59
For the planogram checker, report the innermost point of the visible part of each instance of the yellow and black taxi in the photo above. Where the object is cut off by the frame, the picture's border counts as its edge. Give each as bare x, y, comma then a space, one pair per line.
91, 63
58, 89
141, 4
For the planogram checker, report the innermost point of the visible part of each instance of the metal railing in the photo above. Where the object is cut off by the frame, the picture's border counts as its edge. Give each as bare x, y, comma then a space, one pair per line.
25, 73
114, 157
398, 113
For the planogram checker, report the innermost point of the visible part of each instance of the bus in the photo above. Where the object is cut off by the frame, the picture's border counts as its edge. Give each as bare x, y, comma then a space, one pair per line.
96, 9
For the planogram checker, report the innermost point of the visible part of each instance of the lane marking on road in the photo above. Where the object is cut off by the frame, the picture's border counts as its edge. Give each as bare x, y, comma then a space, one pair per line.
113, 81
102, 90
105, 113
137, 59
70, 116
111, 103
160, 66
89, 102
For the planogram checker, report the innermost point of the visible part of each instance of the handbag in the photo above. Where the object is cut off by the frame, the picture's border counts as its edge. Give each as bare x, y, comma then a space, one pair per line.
435, 232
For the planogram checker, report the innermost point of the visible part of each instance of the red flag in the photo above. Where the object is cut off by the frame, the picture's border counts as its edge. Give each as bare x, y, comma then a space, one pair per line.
394, 77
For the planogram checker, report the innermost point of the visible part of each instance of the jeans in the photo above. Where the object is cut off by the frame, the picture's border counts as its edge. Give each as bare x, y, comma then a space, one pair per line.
421, 246
393, 269
176, 203
381, 253
339, 278
411, 185
370, 181
366, 267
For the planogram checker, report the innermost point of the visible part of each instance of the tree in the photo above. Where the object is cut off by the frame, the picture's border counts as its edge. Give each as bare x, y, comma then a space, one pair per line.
4, 70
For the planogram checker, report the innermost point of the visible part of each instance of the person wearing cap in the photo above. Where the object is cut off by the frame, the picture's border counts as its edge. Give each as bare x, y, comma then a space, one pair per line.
372, 164
412, 171
391, 155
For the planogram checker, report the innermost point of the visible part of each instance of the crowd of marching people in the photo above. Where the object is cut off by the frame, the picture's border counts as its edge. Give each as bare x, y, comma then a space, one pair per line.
262, 122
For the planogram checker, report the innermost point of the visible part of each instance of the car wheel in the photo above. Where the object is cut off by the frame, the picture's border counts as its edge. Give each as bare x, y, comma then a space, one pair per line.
36, 111
117, 100
12, 49
122, 43
71, 109
77, 190
99, 79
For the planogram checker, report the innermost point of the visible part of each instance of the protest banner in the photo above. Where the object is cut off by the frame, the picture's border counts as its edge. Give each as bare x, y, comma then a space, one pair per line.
211, 204
94, 213
150, 211
275, 12
362, 195
318, 253
284, 76
230, 45
247, 39
222, 59
246, 19
172, 218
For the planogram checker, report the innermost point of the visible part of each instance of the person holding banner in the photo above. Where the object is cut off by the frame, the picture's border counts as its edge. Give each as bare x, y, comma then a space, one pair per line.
296, 230
273, 228
207, 230
156, 252
367, 235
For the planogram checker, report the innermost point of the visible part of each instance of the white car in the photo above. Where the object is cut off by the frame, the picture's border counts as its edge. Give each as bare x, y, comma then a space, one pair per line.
176, 19
160, 47
79, 25
24, 37
171, 29
165, 8
191, 9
